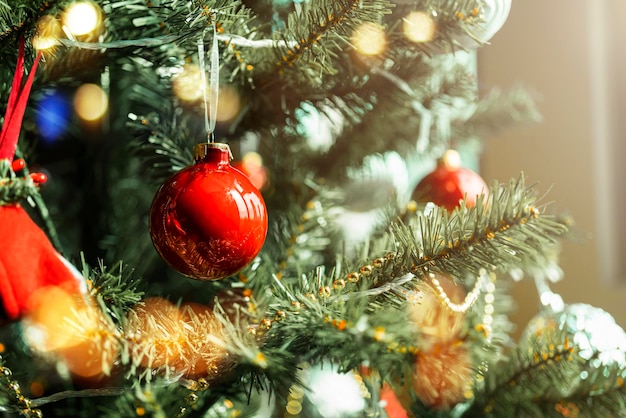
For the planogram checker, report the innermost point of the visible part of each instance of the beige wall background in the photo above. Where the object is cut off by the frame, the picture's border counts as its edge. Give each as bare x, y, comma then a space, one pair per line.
572, 54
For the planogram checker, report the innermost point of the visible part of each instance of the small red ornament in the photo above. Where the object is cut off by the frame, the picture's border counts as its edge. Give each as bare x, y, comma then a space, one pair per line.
39, 178
450, 183
208, 221
18, 165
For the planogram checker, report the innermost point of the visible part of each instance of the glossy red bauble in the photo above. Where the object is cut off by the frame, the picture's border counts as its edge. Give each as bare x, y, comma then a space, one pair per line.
450, 183
208, 221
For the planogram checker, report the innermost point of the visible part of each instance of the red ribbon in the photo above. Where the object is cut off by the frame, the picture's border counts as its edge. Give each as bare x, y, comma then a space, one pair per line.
16, 106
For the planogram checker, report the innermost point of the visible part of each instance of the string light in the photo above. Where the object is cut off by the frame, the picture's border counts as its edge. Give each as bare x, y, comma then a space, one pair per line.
90, 102
229, 104
82, 17
48, 32
419, 27
369, 39
186, 85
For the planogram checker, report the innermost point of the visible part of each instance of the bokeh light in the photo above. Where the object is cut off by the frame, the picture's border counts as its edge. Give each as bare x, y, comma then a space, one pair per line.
90, 102
52, 309
228, 105
252, 166
93, 352
82, 17
187, 85
48, 31
53, 116
64, 324
369, 39
419, 26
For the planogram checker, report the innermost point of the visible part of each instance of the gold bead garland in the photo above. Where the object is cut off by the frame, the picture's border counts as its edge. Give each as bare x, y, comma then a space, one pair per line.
470, 298
23, 403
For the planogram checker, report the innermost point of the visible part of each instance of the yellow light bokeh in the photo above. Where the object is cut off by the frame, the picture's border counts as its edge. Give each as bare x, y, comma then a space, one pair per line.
90, 102
53, 309
66, 324
251, 165
48, 31
82, 17
369, 39
187, 85
419, 27
228, 105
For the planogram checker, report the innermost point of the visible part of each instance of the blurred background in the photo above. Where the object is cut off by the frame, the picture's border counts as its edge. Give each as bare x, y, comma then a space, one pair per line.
572, 55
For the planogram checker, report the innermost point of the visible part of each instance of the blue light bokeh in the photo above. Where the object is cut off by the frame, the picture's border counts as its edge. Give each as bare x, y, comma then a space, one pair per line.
53, 117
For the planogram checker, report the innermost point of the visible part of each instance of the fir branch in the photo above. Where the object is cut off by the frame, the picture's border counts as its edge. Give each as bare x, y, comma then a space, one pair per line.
552, 373
166, 149
115, 288
16, 19
14, 188
500, 232
335, 19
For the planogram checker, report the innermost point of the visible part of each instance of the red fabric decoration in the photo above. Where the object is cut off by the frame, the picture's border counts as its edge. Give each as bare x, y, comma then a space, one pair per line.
28, 262
16, 106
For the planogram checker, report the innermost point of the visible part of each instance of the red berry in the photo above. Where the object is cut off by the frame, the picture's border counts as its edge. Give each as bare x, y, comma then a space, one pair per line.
450, 183
39, 178
208, 221
18, 165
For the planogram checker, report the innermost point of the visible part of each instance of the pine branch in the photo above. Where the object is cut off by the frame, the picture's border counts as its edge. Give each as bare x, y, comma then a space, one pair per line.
331, 20
556, 371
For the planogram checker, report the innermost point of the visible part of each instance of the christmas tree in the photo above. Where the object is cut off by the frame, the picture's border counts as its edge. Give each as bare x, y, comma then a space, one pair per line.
272, 209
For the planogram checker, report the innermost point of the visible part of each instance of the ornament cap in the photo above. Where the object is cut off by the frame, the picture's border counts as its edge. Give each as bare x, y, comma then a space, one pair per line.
204, 149
451, 160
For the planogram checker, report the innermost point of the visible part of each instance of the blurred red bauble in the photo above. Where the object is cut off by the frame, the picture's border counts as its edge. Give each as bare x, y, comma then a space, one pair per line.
208, 221
252, 166
450, 183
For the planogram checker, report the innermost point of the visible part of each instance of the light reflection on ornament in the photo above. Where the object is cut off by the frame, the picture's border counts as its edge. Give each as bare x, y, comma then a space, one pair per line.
48, 31
369, 39
53, 115
419, 26
82, 17
90, 102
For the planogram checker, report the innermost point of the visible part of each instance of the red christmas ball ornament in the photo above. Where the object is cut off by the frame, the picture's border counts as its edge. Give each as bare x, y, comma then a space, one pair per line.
450, 183
208, 221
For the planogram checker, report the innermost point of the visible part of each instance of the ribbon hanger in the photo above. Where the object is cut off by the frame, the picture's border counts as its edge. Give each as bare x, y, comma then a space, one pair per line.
16, 105
210, 102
